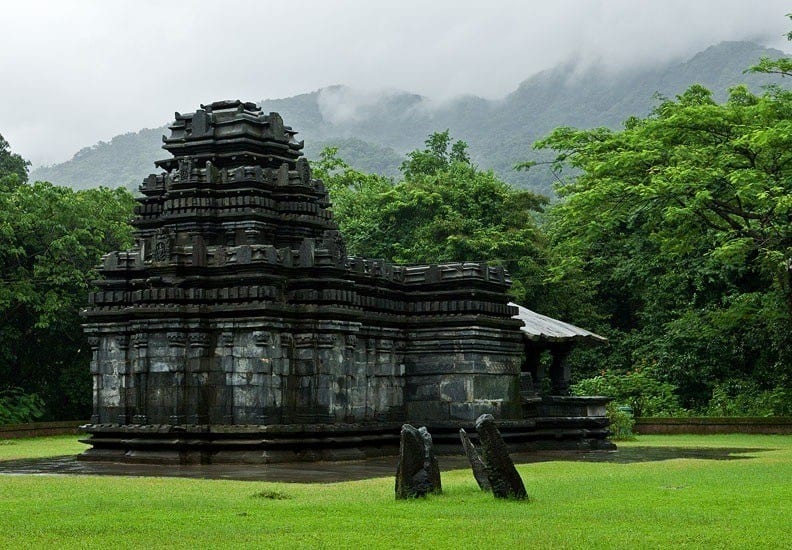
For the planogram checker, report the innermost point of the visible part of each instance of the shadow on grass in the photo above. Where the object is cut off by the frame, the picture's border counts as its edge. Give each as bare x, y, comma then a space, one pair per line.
331, 472
630, 455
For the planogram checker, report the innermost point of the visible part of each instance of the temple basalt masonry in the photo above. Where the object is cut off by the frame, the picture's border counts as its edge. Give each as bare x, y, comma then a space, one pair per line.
238, 329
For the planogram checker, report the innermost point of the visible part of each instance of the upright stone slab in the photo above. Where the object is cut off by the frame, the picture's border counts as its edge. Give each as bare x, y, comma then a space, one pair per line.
476, 464
501, 473
412, 476
431, 464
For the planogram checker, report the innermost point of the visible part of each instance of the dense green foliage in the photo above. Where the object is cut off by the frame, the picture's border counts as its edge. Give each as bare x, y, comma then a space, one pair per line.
363, 155
642, 393
748, 398
51, 238
679, 229
622, 422
12, 163
740, 501
373, 132
445, 209
17, 407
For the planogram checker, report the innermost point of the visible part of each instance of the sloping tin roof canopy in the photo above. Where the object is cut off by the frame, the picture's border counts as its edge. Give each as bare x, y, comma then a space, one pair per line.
540, 328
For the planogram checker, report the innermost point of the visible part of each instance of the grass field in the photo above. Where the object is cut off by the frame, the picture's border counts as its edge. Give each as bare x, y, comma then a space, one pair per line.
745, 502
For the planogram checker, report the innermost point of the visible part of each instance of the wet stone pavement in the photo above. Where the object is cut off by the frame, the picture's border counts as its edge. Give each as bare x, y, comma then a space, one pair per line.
331, 472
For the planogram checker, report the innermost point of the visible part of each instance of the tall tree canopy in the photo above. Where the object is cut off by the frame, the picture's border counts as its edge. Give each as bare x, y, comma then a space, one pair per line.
51, 239
445, 209
680, 228
12, 163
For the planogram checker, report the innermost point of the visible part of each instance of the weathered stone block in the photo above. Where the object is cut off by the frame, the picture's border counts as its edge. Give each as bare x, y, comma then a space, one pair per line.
454, 390
471, 411
423, 392
427, 410
494, 387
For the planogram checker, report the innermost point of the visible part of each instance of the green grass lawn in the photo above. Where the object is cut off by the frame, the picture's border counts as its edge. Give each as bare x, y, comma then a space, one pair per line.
40, 447
695, 503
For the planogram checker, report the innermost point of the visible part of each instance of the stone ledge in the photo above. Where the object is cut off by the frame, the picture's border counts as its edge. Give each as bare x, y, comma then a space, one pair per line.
714, 425
37, 429
295, 443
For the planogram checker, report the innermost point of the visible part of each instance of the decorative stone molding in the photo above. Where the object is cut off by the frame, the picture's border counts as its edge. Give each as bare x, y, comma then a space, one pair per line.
121, 341
176, 339
139, 339
199, 339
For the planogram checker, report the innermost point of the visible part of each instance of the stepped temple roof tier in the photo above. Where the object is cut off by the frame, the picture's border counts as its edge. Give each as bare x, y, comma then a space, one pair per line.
238, 327
231, 134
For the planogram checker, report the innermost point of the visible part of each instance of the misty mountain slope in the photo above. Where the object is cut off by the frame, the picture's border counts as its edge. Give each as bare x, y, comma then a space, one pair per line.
565, 96
123, 161
300, 111
361, 155
374, 130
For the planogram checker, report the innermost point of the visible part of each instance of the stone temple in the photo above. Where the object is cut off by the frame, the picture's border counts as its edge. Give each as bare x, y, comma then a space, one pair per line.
239, 329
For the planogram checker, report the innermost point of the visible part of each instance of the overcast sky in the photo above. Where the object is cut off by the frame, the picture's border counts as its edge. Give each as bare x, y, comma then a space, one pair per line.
74, 73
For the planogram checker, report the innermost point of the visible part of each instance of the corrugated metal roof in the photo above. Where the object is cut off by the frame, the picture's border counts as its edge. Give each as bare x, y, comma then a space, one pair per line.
537, 327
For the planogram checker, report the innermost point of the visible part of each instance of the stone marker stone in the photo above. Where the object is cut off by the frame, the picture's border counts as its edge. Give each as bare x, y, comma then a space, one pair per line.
430, 461
414, 475
476, 464
502, 475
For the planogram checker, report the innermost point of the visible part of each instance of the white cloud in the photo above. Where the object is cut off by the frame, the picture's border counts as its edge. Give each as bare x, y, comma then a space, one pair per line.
77, 72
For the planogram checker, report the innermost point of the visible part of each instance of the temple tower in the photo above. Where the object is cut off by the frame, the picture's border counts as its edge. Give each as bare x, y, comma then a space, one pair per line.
239, 313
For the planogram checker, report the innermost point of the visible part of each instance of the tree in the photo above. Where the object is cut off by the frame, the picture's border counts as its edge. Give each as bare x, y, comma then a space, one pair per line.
440, 154
445, 209
680, 228
12, 163
354, 194
781, 66
51, 239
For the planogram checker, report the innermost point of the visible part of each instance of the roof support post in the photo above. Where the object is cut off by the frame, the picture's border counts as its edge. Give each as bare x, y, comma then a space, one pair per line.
560, 371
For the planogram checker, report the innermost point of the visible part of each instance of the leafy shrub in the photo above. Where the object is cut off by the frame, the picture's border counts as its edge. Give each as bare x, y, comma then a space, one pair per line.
621, 423
745, 398
646, 395
18, 407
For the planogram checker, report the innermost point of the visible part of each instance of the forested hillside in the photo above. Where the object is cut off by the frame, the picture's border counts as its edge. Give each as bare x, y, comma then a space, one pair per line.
373, 131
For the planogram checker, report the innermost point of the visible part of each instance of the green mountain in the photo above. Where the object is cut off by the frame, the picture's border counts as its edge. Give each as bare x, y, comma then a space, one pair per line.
373, 131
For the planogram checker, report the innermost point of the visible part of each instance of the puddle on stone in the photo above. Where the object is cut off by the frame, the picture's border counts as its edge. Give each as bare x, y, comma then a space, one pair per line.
331, 472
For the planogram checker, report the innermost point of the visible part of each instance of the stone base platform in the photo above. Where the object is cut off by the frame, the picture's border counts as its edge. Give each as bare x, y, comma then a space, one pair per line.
263, 444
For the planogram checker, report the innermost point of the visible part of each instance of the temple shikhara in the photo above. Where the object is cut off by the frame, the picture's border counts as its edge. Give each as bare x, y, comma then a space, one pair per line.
239, 329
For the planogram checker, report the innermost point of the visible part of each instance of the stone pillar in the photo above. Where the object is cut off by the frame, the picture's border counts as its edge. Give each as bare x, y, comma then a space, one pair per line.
94, 341
139, 377
217, 395
123, 414
196, 378
110, 374
559, 369
165, 376
533, 365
